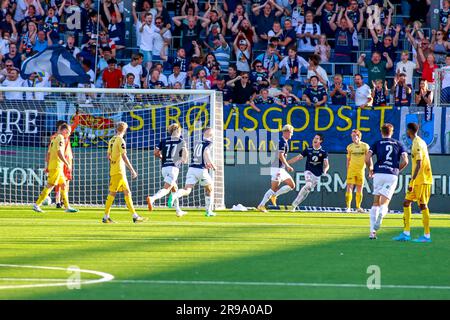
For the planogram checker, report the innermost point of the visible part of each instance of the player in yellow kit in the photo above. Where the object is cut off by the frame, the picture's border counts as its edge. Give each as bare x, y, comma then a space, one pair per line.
117, 155
56, 163
419, 188
356, 153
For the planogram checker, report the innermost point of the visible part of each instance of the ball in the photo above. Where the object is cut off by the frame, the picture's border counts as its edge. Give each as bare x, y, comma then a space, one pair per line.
47, 201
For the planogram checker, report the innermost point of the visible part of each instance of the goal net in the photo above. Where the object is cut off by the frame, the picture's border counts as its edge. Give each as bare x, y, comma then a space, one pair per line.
441, 92
28, 118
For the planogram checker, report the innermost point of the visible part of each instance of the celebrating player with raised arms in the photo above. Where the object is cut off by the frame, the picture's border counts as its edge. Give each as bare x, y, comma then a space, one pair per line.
173, 152
419, 188
279, 170
356, 165
201, 162
316, 165
391, 160
117, 155
56, 163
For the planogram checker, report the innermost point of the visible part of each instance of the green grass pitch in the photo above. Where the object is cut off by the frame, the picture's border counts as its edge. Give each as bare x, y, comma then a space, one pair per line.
246, 255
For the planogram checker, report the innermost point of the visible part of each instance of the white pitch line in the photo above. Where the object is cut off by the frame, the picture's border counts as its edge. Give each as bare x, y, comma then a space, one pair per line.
105, 277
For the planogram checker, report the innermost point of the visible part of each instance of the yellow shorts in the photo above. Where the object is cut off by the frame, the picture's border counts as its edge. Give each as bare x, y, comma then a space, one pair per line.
56, 177
421, 194
356, 179
118, 183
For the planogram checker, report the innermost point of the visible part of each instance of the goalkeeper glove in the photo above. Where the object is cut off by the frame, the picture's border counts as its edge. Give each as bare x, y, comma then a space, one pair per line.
411, 186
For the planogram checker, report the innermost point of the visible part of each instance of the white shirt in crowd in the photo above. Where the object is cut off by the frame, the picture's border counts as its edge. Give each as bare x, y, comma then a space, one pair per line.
362, 94
158, 41
163, 79
321, 71
181, 78
242, 60
407, 68
136, 70
446, 77
13, 95
288, 63
308, 46
45, 83
146, 36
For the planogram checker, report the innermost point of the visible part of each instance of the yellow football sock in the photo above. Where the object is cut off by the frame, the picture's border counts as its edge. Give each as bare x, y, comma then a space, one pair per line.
129, 203
65, 198
426, 220
407, 219
109, 203
359, 197
44, 194
348, 199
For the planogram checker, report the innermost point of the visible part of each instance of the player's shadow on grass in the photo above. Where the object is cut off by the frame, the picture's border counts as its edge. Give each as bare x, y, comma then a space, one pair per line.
249, 254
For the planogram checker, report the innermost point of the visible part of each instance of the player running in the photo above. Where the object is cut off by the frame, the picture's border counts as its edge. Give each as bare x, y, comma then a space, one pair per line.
198, 172
316, 165
173, 152
118, 159
56, 163
356, 165
419, 188
391, 160
279, 170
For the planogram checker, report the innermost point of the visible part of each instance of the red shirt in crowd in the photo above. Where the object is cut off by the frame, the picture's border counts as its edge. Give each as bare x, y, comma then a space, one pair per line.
427, 72
112, 79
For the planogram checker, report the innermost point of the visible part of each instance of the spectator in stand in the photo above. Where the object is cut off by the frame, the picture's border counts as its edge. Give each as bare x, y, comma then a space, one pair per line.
288, 36
36, 80
70, 46
376, 67
222, 52
191, 31
444, 14
180, 58
12, 80
362, 95
356, 16
423, 96
200, 81
28, 40
269, 60
325, 11
91, 29
162, 77
445, 81
135, 68
286, 96
401, 91
339, 91
308, 34
9, 65
209, 62
380, 94
419, 10
389, 44
236, 19
116, 26
105, 42
242, 51
315, 95
264, 20
314, 69
222, 87
232, 73
177, 76
323, 49
147, 30
259, 76
299, 8
216, 19
275, 32
264, 99
14, 56
292, 65
51, 22
343, 34
153, 81
243, 91
247, 30
440, 46
42, 41
112, 76
161, 12
407, 67
429, 65
213, 77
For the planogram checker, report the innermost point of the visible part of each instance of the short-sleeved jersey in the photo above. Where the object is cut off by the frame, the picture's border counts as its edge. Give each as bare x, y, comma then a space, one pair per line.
419, 151
356, 153
171, 151
57, 144
283, 147
315, 94
315, 159
198, 154
116, 148
388, 152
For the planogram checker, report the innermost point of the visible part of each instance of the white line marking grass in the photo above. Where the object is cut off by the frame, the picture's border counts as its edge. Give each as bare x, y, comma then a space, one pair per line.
104, 277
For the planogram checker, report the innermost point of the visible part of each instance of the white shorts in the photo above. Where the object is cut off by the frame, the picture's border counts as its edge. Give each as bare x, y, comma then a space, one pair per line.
384, 184
279, 174
170, 174
312, 178
201, 176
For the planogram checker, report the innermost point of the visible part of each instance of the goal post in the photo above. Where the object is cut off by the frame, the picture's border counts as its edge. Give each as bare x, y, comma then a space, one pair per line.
28, 118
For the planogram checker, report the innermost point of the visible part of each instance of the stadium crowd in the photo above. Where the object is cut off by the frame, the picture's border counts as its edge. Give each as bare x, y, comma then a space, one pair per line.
317, 52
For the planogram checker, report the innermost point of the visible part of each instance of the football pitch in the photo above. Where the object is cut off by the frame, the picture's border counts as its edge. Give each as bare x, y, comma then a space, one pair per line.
235, 255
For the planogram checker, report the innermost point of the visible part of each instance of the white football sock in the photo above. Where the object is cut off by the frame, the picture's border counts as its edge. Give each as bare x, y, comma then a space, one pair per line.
283, 190
208, 204
266, 198
135, 215
373, 217
303, 193
161, 193
176, 204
